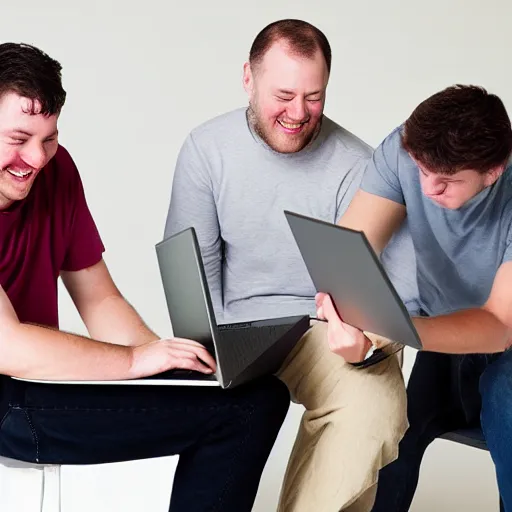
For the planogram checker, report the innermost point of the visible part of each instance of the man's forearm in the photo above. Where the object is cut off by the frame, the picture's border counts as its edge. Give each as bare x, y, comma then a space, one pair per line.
114, 320
35, 352
470, 331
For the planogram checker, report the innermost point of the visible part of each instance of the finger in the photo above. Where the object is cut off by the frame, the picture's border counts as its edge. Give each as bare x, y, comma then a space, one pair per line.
189, 361
198, 352
201, 367
319, 298
329, 311
205, 357
185, 341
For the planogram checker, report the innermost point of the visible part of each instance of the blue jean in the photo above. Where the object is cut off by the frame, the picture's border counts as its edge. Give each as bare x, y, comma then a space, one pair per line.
445, 393
223, 437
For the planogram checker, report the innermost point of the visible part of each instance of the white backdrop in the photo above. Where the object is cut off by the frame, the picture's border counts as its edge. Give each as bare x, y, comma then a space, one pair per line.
140, 75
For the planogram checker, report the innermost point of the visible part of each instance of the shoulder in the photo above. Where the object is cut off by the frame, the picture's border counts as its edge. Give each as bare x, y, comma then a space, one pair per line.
346, 140
63, 164
222, 127
391, 147
391, 154
506, 207
62, 176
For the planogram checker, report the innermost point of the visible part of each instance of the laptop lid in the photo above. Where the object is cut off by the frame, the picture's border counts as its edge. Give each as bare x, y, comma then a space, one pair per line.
186, 290
342, 263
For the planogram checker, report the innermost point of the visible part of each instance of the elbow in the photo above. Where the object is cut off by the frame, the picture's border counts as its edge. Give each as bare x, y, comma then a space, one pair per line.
8, 335
507, 343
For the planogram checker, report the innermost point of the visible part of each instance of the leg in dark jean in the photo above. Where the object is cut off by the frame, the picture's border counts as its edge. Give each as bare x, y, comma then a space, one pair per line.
223, 437
496, 419
434, 407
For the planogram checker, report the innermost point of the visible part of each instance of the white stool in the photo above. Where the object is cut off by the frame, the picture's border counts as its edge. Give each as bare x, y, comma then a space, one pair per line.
26, 487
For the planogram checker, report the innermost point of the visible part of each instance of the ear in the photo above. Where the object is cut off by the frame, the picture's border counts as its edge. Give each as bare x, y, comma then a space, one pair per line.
248, 79
492, 176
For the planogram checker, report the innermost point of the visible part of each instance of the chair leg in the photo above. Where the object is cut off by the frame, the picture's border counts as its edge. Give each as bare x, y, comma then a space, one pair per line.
51, 501
20, 489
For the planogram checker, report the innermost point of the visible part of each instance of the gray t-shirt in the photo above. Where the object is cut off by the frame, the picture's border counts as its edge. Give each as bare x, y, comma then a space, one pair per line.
458, 252
233, 188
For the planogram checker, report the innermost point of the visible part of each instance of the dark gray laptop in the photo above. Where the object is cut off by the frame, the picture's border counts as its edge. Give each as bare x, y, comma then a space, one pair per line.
342, 263
243, 351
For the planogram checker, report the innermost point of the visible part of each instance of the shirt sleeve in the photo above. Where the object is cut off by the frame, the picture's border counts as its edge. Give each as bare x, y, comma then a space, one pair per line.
84, 245
349, 185
507, 256
193, 205
381, 177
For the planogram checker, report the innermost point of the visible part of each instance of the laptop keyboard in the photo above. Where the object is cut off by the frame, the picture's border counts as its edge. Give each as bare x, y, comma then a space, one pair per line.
241, 346
180, 374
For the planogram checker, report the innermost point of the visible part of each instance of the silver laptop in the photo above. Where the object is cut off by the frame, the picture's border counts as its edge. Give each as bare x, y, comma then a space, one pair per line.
342, 263
242, 351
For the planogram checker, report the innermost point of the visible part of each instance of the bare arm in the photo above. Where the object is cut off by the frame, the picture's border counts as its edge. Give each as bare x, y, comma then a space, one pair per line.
480, 330
43, 353
36, 352
376, 216
106, 314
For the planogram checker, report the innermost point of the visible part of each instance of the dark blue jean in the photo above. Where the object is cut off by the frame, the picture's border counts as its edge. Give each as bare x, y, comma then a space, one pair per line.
447, 392
223, 437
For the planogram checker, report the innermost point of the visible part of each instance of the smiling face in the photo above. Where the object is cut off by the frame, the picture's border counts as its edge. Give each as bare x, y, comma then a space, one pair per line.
286, 97
452, 191
28, 141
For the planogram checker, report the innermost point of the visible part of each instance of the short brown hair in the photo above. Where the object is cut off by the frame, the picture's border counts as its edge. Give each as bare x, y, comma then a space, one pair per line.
460, 128
31, 73
302, 38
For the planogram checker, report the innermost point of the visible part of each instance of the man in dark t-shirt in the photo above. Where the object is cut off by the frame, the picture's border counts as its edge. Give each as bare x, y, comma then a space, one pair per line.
47, 231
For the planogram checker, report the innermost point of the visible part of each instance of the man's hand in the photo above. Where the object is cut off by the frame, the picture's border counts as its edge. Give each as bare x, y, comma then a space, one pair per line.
344, 340
162, 355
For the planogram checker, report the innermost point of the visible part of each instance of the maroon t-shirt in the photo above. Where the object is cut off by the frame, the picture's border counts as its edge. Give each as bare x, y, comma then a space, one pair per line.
51, 230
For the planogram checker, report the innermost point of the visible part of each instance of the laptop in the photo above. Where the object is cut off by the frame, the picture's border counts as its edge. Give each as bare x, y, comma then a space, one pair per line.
243, 351
342, 263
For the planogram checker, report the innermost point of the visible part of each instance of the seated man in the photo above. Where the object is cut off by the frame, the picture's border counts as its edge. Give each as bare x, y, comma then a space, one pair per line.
46, 230
449, 169
234, 177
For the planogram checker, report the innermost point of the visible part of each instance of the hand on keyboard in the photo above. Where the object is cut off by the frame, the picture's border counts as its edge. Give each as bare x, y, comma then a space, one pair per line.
167, 354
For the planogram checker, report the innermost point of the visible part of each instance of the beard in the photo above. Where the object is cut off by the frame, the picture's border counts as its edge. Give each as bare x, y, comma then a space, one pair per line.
280, 142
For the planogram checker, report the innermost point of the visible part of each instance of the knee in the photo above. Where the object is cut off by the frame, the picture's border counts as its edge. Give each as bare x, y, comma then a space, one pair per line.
269, 399
496, 392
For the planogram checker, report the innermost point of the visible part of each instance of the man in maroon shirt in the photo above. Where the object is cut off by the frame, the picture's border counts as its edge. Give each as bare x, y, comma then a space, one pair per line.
46, 231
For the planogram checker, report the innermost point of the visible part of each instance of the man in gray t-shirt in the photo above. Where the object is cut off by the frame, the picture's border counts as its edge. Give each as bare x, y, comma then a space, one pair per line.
448, 168
234, 177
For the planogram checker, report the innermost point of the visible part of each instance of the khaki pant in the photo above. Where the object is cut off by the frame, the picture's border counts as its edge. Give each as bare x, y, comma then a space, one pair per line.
351, 428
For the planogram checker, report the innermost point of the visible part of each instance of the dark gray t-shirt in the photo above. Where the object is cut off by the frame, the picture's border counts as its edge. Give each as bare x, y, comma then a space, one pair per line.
458, 252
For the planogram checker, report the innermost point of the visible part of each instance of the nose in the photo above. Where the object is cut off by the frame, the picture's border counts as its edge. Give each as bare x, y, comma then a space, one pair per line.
431, 187
35, 155
296, 110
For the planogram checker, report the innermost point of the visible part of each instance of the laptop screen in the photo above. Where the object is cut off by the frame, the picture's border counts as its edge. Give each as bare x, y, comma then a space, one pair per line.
186, 288
342, 263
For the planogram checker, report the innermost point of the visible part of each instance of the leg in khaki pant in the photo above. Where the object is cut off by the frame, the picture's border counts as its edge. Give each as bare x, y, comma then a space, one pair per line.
351, 428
